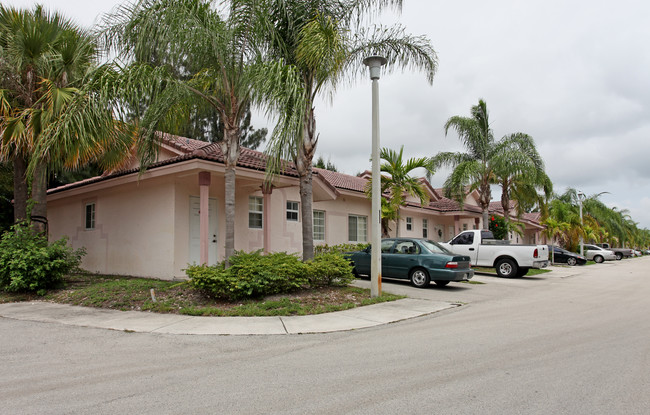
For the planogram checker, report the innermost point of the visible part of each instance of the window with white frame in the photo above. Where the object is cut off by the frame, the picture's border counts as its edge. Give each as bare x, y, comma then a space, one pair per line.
464, 226
319, 225
90, 216
425, 228
409, 223
255, 212
292, 211
357, 228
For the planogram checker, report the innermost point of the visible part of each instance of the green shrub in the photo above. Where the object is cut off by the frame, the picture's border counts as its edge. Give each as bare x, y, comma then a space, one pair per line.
29, 263
256, 275
213, 280
498, 226
250, 275
330, 268
259, 275
340, 248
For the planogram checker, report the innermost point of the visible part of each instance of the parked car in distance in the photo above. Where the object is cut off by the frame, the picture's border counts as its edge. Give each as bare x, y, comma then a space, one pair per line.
598, 254
562, 256
419, 260
619, 252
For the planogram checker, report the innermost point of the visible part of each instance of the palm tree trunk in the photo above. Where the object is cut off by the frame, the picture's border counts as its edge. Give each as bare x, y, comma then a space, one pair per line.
230, 212
306, 202
397, 224
39, 198
230, 149
20, 189
505, 204
304, 166
485, 195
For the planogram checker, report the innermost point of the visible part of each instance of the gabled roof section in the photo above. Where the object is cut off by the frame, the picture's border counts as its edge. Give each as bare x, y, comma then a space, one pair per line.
189, 149
533, 217
447, 205
342, 181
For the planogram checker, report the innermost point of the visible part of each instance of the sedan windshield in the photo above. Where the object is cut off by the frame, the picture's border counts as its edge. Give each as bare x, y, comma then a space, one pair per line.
435, 247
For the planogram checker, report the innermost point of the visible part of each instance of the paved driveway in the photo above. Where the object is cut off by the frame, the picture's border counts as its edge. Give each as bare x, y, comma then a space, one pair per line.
550, 345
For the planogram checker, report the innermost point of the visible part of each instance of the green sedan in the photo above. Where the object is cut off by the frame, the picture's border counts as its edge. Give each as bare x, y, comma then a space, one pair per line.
419, 260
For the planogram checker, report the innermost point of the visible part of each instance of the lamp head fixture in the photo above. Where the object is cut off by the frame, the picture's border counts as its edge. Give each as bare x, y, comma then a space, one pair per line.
375, 63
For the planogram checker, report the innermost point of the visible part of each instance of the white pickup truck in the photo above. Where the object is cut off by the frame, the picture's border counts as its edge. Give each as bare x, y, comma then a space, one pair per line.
509, 260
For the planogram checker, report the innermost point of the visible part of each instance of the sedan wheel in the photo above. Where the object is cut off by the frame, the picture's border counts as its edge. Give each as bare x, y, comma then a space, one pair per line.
598, 259
571, 261
619, 256
420, 278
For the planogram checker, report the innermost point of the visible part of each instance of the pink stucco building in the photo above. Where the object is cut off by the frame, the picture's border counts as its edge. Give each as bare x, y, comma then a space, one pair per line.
154, 224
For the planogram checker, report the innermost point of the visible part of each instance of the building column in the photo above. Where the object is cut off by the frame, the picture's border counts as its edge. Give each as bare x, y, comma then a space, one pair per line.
204, 217
457, 224
267, 189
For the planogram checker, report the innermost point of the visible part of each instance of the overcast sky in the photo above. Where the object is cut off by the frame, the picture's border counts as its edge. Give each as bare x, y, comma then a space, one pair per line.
575, 75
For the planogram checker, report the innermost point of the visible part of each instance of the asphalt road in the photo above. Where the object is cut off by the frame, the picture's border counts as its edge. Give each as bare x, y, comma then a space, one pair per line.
578, 344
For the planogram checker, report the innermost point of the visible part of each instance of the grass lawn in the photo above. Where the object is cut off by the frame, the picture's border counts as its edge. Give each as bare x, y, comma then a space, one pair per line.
126, 293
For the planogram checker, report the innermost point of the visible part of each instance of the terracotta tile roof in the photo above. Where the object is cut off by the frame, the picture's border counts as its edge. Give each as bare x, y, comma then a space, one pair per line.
447, 205
256, 160
533, 217
182, 143
497, 208
192, 149
342, 181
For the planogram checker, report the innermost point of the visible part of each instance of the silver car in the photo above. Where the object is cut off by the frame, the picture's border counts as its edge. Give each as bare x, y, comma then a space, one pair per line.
598, 254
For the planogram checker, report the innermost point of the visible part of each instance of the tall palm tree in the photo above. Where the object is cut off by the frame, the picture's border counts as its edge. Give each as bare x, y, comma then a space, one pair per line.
219, 49
326, 43
485, 160
396, 183
519, 170
45, 120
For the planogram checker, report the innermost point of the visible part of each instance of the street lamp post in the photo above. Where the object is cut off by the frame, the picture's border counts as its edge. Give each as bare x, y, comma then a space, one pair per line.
582, 242
375, 63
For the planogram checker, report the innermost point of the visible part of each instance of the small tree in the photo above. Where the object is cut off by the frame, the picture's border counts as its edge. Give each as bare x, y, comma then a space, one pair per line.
396, 181
498, 227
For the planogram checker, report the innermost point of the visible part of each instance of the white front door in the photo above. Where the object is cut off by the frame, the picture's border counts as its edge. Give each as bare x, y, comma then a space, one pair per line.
195, 231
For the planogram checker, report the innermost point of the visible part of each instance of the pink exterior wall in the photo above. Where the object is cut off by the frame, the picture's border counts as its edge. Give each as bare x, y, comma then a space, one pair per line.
337, 213
143, 224
134, 230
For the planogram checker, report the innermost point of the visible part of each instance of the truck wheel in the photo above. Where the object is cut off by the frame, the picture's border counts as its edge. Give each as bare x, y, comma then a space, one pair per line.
420, 278
619, 256
506, 268
598, 259
441, 283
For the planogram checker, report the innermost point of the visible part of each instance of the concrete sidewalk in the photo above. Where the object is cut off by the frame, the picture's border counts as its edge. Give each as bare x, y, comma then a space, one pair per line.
137, 321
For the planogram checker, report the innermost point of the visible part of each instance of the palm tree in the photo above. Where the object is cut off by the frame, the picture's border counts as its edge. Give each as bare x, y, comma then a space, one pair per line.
396, 183
554, 229
325, 42
485, 160
216, 60
45, 119
519, 170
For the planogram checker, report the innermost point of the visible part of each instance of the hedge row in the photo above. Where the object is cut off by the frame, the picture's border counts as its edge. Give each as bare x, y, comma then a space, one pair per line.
256, 275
